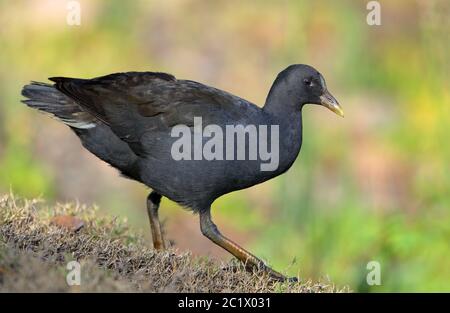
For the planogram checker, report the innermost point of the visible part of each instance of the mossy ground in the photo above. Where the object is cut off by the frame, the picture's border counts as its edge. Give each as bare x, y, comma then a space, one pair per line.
34, 253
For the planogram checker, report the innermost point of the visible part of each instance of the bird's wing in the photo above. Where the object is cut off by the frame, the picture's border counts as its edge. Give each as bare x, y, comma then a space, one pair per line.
135, 103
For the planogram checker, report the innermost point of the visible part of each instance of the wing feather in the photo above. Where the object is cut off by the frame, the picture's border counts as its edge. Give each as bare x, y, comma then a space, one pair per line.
135, 103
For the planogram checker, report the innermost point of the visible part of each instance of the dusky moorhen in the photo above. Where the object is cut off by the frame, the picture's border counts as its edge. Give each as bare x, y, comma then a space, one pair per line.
131, 121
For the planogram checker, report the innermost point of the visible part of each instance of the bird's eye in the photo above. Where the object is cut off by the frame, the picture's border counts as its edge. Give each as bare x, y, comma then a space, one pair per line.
307, 82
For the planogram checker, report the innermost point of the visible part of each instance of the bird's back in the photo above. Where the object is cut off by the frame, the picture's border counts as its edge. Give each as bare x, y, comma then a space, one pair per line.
130, 120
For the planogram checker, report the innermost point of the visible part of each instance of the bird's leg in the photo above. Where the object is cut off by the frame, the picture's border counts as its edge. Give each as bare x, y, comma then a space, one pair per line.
209, 229
153, 201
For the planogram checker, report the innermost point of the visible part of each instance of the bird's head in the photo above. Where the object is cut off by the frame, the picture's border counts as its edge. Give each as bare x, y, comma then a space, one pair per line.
306, 85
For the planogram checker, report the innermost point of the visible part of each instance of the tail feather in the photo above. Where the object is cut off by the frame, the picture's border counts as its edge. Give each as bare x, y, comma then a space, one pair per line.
46, 98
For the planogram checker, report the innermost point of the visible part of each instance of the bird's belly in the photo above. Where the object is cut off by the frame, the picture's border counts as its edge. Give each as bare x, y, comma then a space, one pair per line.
197, 183
194, 176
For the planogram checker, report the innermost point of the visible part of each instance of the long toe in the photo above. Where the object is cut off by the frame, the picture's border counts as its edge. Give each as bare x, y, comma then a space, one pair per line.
292, 279
275, 276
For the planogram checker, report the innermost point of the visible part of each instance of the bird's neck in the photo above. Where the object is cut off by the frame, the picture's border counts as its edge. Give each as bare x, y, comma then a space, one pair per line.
285, 112
283, 102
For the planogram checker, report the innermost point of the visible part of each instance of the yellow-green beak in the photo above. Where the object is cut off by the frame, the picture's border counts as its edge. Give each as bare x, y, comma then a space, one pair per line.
327, 100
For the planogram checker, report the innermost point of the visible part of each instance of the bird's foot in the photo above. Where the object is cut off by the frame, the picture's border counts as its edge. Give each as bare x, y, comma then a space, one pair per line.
262, 268
278, 277
281, 278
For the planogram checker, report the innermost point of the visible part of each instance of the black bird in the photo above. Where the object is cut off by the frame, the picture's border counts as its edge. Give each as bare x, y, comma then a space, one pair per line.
128, 119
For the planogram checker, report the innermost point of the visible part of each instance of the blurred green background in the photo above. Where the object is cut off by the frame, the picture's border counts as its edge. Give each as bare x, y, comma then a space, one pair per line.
374, 186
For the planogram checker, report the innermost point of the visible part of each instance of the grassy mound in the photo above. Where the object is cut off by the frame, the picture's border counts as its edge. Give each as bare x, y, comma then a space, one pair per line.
37, 242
